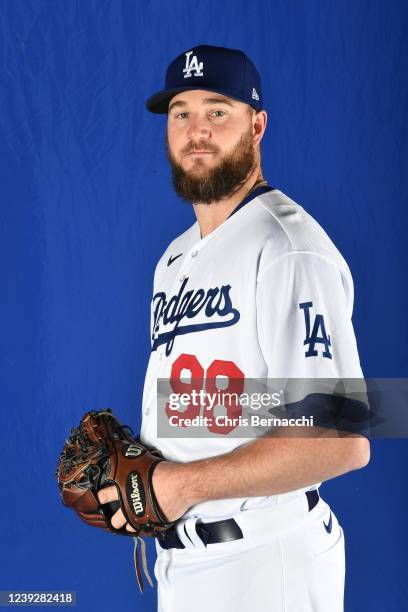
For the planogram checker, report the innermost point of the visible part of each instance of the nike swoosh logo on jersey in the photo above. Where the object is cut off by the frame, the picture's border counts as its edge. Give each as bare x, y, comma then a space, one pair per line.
171, 259
329, 525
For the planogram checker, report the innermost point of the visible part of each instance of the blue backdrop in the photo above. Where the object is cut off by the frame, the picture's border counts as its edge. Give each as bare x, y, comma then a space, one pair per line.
87, 208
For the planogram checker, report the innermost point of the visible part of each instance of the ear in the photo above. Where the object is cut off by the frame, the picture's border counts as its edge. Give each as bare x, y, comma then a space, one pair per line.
259, 121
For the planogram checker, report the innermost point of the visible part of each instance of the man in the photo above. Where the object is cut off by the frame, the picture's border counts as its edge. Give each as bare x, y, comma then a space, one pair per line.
253, 289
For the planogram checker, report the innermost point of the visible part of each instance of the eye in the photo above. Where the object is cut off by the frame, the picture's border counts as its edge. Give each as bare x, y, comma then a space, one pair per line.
183, 115
218, 114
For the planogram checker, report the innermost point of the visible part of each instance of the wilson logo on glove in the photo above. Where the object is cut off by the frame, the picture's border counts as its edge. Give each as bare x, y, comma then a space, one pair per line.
132, 450
135, 493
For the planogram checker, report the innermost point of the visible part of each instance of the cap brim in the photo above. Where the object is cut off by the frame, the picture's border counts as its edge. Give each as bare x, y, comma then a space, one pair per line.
158, 103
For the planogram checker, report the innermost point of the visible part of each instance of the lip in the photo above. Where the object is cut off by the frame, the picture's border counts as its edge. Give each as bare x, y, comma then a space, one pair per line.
200, 153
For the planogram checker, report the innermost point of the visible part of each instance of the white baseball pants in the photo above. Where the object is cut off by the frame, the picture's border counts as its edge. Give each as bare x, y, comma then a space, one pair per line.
287, 561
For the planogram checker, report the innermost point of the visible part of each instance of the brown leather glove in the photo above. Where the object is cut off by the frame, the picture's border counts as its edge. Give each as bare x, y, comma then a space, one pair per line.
101, 452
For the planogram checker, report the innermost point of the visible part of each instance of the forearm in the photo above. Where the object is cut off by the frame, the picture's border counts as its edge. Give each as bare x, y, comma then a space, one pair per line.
267, 466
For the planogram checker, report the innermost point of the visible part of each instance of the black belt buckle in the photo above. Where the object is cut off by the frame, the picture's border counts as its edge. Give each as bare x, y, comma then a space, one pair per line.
219, 531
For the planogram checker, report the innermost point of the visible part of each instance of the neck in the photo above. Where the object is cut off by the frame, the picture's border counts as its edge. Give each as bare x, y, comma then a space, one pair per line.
210, 216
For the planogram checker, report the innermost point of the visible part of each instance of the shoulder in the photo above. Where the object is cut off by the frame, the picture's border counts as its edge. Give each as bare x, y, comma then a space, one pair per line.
298, 247
294, 230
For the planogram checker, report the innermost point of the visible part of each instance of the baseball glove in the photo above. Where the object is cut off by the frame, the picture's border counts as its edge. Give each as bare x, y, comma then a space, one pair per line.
101, 452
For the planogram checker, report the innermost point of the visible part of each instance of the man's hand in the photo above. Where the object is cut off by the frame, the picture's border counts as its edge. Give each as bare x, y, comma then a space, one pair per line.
168, 489
110, 494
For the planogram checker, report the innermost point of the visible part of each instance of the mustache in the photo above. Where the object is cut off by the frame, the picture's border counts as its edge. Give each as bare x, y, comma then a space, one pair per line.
191, 147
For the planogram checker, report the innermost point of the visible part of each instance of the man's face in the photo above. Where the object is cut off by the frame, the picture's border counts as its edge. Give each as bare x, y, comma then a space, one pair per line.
210, 145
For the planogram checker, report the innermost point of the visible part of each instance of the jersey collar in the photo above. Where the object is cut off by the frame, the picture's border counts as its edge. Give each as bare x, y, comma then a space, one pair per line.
251, 195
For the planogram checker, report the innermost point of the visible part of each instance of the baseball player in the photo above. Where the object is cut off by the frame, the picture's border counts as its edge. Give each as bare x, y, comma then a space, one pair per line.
254, 289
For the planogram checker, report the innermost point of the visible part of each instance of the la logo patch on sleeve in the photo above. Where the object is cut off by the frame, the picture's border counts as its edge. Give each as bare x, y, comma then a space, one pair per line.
318, 335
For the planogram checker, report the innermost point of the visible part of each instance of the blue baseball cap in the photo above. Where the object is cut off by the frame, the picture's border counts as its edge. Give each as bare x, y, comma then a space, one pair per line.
225, 71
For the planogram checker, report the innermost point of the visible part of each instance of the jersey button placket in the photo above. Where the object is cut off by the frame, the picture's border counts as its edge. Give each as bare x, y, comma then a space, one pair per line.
185, 265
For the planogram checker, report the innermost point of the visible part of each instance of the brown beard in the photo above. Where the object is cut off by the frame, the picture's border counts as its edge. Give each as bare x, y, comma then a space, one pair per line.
220, 181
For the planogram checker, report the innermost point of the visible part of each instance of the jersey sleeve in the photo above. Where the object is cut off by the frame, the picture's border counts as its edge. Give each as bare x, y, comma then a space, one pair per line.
304, 307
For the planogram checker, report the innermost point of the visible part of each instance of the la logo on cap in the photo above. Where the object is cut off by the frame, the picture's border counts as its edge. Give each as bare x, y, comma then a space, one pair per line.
192, 65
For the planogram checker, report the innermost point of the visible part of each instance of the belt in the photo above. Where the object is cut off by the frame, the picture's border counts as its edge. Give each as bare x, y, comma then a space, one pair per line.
218, 531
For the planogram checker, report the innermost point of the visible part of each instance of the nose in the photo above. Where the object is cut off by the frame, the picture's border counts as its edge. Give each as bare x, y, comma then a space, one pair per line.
198, 129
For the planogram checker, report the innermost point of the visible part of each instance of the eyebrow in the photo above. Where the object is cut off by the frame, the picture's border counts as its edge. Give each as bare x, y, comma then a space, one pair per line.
205, 101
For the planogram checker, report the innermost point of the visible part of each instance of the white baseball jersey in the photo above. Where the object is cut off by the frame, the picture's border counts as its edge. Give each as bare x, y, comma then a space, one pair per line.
265, 295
